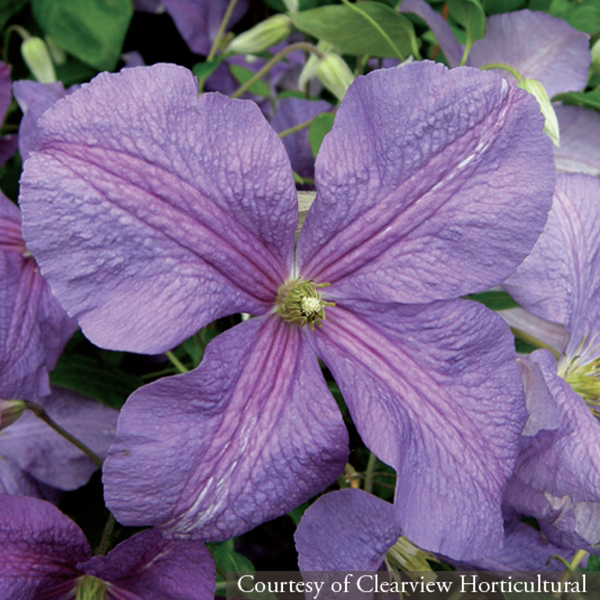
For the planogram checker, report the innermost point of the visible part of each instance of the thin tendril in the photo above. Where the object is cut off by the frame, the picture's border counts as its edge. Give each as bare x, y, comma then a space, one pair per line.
222, 28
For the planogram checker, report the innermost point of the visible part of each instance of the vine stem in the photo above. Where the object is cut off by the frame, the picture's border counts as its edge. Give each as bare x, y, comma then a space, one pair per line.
177, 363
370, 472
224, 22
39, 411
273, 61
106, 534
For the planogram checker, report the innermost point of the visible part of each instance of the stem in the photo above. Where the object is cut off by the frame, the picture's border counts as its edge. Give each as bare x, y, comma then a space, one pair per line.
39, 411
268, 65
374, 24
369, 473
222, 27
295, 128
177, 363
516, 74
106, 535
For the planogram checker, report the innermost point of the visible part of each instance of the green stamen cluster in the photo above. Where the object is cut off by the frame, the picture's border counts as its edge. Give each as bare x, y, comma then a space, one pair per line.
299, 303
585, 380
405, 556
90, 588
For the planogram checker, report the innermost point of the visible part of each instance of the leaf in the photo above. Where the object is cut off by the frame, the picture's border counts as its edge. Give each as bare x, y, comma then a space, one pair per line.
319, 128
351, 33
493, 7
91, 30
587, 99
94, 378
470, 14
204, 70
583, 15
494, 300
242, 75
8, 8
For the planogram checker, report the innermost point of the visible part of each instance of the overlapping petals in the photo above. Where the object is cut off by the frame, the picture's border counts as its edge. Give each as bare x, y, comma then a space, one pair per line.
33, 326
429, 204
439, 403
251, 433
579, 140
45, 455
44, 554
140, 150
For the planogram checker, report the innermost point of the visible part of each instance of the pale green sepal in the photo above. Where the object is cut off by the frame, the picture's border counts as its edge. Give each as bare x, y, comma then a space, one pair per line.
10, 411
292, 5
594, 78
267, 33
59, 56
310, 66
37, 57
551, 125
334, 73
90, 588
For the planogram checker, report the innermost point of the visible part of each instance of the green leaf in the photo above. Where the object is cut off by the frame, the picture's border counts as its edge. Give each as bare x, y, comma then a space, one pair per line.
242, 75
494, 7
494, 300
583, 15
318, 129
91, 30
8, 8
204, 70
470, 14
587, 99
94, 378
351, 33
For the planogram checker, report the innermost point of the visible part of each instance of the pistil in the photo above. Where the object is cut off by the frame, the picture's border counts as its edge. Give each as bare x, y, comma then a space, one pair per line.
299, 303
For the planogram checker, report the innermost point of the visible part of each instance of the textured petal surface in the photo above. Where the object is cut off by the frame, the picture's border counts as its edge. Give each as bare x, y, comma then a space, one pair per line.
14, 481
427, 200
435, 392
247, 436
348, 530
39, 548
538, 45
565, 460
152, 211
579, 150
44, 454
33, 327
155, 568
560, 280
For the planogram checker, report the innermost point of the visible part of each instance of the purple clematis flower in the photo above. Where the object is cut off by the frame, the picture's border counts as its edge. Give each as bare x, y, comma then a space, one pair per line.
579, 150
538, 45
154, 211
43, 554
33, 327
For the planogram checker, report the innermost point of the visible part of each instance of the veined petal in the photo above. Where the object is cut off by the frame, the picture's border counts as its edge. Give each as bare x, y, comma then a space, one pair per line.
14, 481
155, 568
39, 548
245, 437
419, 201
47, 456
538, 45
564, 460
347, 530
153, 211
560, 280
435, 392
579, 135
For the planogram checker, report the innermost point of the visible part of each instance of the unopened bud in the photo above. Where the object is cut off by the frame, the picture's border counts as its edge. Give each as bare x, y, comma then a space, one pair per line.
551, 125
37, 58
10, 411
334, 73
310, 66
292, 5
267, 33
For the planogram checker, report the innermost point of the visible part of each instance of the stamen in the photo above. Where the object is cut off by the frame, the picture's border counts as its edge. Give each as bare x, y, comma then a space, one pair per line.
299, 303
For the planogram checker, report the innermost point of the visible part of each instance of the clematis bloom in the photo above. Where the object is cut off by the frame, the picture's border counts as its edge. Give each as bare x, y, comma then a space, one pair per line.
154, 211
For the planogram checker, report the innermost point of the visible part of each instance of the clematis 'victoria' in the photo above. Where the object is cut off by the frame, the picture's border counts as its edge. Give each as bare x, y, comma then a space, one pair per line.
154, 211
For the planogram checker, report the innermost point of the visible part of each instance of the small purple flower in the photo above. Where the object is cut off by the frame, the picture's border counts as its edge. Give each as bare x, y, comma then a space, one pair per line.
33, 326
43, 554
154, 211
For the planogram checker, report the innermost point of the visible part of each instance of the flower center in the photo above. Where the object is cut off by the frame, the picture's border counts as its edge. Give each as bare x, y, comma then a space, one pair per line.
299, 303
585, 380
90, 588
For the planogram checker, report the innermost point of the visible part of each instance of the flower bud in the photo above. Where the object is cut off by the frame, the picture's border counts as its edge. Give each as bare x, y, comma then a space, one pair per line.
37, 58
537, 89
10, 411
292, 5
334, 73
262, 36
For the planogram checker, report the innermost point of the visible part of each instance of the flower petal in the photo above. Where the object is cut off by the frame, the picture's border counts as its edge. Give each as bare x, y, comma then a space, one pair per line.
560, 280
15, 482
579, 135
153, 211
156, 568
540, 46
39, 548
427, 200
248, 435
44, 454
434, 392
347, 530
